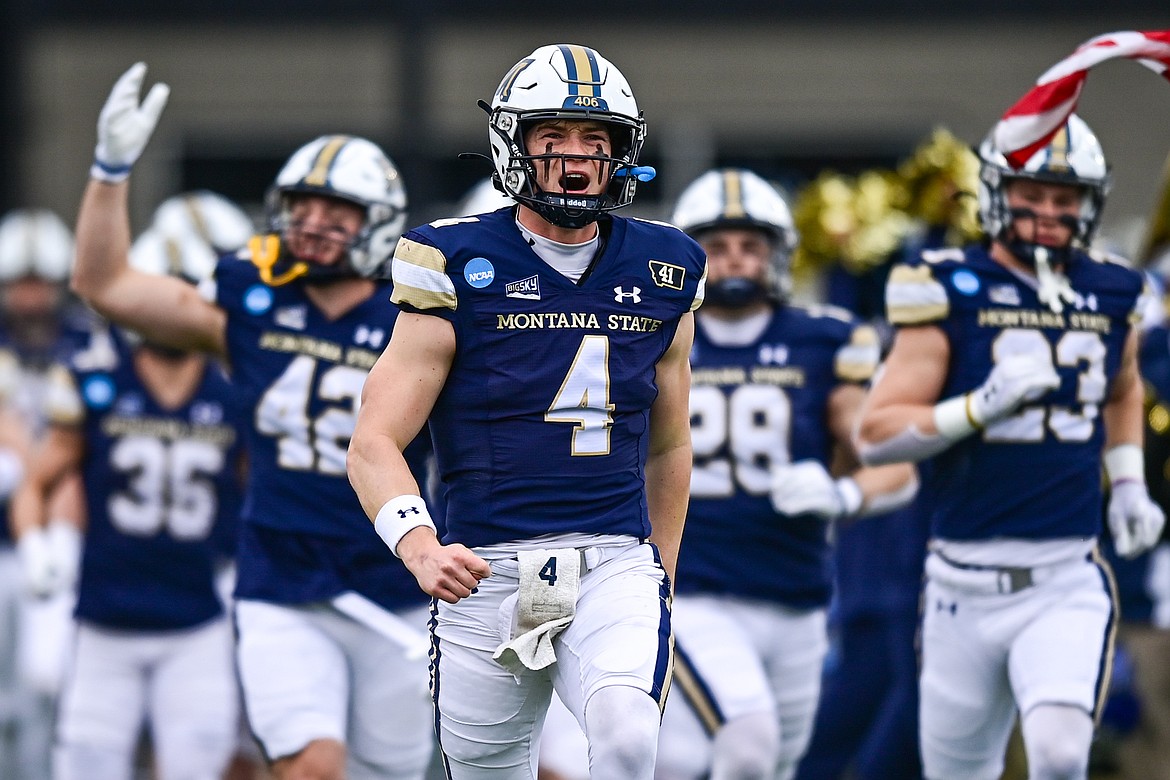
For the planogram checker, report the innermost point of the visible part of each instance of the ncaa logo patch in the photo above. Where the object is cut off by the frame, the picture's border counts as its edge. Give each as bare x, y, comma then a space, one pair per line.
965, 282
98, 391
257, 299
479, 272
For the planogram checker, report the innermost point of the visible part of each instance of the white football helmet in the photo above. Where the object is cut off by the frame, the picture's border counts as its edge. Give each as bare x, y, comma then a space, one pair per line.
565, 81
208, 217
1073, 156
183, 255
739, 198
35, 242
483, 198
350, 169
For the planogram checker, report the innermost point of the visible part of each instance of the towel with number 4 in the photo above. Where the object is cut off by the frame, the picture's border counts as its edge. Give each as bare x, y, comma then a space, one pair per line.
546, 602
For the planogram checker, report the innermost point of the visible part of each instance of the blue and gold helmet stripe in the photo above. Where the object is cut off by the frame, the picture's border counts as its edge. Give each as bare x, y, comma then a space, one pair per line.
1058, 149
581, 67
733, 207
318, 175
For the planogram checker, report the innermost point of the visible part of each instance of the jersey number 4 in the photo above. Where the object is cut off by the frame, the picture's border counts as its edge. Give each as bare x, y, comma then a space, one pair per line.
584, 398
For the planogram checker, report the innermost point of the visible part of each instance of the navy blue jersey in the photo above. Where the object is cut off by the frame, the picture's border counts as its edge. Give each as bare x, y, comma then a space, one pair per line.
752, 408
1035, 474
543, 424
153, 479
301, 375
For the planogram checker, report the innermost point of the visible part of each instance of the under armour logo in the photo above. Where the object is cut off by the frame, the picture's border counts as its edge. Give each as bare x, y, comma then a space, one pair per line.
619, 294
374, 337
402, 512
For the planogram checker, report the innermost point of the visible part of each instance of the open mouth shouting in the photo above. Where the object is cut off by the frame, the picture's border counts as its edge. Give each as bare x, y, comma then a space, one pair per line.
574, 182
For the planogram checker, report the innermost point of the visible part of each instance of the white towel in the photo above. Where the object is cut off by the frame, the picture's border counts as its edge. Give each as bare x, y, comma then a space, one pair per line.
545, 605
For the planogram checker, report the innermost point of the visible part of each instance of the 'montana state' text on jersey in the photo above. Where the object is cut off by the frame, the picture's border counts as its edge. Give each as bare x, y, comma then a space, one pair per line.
157, 482
755, 407
1035, 474
301, 374
543, 424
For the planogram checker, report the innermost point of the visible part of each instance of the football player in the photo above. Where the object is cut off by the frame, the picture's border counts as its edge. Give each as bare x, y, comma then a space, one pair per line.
152, 431
1015, 367
548, 346
775, 393
40, 326
329, 623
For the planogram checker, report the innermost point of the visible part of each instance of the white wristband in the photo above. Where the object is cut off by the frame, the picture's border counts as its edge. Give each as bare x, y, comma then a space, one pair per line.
953, 419
851, 496
400, 515
1125, 462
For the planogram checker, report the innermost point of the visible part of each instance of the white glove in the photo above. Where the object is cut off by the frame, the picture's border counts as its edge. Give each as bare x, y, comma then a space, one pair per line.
805, 487
124, 126
50, 558
36, 562
1014, 381
1134, 519
65, 541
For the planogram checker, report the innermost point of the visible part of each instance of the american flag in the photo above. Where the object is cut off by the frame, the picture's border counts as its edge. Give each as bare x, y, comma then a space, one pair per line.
1029, 125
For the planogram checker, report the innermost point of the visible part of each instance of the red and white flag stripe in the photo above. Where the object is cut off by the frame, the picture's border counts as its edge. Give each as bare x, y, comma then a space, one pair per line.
1030, 124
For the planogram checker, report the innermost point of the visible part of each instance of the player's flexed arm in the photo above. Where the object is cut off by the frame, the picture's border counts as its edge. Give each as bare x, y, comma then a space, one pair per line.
668, 464
903, 418
170, 310
397, 398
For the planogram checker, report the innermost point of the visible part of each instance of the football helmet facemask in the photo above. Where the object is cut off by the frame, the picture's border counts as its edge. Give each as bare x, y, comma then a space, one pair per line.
1073, 156
346, 168
739, 198
559, 82
36, 243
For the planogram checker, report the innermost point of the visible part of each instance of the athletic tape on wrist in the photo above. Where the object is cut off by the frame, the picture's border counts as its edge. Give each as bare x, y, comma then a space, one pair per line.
953, 417
108, 173
1125, 463
399, 516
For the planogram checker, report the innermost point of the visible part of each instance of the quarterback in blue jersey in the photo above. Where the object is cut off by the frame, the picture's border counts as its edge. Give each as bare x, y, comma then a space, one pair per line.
1015, 367
331, 644
153, 433
774, 396
548, 345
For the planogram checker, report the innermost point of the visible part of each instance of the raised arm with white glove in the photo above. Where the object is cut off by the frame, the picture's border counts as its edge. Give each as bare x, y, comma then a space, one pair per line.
126, 124
1134, 519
